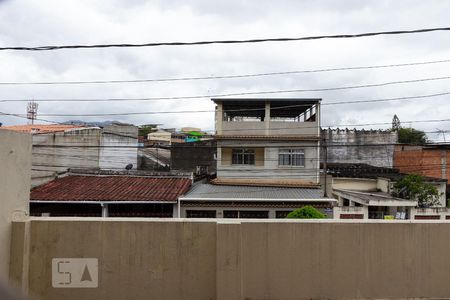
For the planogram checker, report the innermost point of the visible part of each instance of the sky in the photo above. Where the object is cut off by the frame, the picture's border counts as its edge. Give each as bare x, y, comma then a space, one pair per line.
51, 22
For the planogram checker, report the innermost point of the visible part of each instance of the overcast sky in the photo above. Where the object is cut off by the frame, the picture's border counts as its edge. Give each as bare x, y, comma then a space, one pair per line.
46, 22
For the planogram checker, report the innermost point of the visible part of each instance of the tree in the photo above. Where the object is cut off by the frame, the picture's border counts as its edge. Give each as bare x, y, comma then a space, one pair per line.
411, 136
415, 188
306, 212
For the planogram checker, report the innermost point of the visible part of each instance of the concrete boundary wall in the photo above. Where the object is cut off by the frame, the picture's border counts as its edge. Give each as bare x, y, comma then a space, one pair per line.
15, 159
210, 259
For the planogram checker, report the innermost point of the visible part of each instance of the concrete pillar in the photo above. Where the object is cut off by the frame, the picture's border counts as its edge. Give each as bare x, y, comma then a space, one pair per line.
267, 118
219, 118
228, 262
20, 255
175, 209
15, 183
272, 214
351, 203
219, 213
105, 213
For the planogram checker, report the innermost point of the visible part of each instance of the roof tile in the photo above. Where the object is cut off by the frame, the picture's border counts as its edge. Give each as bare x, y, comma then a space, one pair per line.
111, 188
36, 128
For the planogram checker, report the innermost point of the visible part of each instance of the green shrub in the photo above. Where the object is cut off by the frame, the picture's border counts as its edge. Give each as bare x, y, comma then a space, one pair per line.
306, 212
414, 187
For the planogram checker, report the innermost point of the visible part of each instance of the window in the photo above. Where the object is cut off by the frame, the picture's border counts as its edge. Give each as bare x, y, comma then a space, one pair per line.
243, 156
291, 157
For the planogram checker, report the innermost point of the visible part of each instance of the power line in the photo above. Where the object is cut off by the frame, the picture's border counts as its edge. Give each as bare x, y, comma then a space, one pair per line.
250, 109
225, 76
266, 145
246, 41
275, 129
233, 94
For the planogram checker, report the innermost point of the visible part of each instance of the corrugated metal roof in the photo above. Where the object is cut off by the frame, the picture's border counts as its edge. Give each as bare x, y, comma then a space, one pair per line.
111, 188
231, 192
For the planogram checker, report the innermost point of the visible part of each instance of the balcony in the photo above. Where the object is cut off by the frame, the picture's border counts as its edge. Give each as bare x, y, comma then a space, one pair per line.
274, 117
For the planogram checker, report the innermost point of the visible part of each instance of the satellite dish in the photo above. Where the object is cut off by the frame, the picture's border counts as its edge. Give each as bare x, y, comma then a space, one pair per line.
129, 167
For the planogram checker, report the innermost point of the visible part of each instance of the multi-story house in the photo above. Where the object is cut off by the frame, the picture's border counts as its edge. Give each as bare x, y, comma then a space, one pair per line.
268, 160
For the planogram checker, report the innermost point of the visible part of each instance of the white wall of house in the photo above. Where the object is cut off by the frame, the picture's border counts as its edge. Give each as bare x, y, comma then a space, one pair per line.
270, 168
354, 184
339, 212
56, 152
112, 147
117, 151
441, 213
15, 159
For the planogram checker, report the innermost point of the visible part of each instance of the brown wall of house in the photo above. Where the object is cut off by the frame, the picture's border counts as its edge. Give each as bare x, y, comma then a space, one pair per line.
226, 157
426, 162
149, 259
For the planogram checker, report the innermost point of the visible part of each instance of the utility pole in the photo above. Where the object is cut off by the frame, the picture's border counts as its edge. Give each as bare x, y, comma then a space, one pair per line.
32, 108
325, 165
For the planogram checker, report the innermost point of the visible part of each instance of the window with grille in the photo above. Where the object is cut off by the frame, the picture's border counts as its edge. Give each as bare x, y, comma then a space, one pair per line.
291, 157
243, 156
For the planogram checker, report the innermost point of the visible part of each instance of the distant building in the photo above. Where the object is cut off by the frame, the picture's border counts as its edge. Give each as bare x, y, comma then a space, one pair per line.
190, 135
90, 193
373, 147
267, 161
56, 148
160, 137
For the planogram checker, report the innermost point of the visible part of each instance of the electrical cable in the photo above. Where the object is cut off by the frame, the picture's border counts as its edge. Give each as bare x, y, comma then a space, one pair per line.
230, 94
246, 41
237, 76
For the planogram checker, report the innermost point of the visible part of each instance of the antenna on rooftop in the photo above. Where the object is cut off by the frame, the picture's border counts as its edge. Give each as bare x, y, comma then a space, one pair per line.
396, 125
32, 108
441, 132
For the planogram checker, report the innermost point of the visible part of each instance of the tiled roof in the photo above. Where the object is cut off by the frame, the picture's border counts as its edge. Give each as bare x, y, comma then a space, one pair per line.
37, 128
203, 191
111, 188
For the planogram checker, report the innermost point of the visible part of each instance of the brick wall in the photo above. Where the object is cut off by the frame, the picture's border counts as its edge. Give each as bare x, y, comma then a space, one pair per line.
417, 160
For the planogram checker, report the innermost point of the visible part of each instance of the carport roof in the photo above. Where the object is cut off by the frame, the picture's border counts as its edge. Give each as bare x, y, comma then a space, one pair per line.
211, 192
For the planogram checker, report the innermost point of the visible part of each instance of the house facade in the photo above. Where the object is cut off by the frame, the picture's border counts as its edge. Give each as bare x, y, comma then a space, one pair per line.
268, 153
